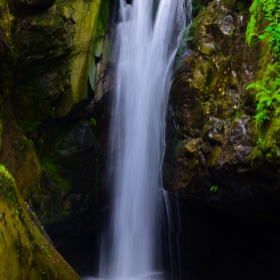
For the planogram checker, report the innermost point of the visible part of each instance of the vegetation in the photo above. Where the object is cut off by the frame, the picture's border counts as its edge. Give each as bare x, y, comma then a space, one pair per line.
5, 18
214, 188
92, 122
271, 9
268, 93
254, 22
267, 89
263, 30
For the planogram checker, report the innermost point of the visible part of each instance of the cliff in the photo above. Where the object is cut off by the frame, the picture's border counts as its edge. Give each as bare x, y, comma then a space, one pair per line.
52, 63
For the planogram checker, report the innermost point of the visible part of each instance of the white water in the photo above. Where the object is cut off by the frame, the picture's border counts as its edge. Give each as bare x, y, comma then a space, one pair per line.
145, 47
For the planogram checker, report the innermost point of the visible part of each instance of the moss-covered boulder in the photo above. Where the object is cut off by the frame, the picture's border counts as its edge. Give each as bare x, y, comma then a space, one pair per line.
26, 252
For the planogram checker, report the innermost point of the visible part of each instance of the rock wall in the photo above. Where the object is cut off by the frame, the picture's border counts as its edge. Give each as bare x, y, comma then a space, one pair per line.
215, 143
56, 76
57, 52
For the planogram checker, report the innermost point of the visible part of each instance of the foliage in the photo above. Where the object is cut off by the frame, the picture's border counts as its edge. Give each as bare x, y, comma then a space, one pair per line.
92, 122
240, 7
30, 127
236, 115
214, 188
4, 172
268, 88
252, 27
271, 9
268, 93
261, 142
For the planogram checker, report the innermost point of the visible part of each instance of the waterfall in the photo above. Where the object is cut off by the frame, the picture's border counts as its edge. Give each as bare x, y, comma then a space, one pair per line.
147, 38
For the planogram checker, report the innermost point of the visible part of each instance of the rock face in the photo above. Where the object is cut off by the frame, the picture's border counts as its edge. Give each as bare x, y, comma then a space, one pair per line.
215, 140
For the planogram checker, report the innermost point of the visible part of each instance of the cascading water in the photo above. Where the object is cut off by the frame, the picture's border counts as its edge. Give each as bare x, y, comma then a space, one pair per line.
145, 47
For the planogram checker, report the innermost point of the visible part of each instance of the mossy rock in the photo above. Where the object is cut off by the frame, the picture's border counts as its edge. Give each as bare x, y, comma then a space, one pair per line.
26, 251
210, 103
57, 49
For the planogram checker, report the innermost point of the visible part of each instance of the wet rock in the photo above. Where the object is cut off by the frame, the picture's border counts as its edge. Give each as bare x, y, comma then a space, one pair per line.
214, 130
226, 24
105, 80
71, 174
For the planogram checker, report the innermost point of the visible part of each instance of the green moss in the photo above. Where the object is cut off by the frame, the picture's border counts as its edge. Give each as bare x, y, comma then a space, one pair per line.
240, 7
271, 9
30, 126
6, 189
53, 171
254, 23
196, 20
178, 146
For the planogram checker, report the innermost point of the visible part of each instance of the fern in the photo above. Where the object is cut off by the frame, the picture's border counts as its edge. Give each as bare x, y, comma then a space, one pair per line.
267, 93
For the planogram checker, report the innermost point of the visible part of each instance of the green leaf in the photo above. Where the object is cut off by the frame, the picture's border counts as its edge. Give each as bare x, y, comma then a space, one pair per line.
252, 85
214, 188
277, 97
265, 98
261, 94
269, 28
263, 36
